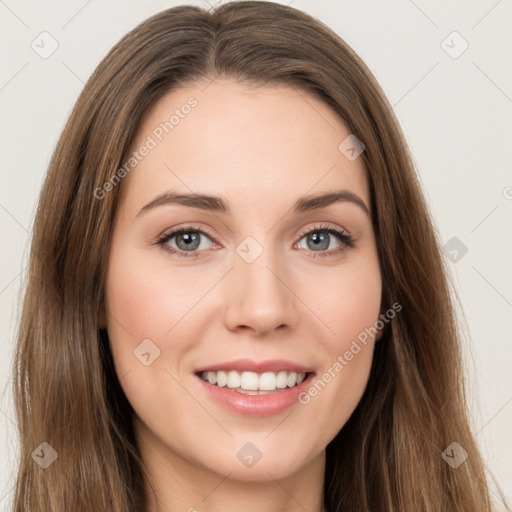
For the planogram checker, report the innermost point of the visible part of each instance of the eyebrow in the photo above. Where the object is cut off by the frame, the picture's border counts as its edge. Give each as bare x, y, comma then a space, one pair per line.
218, 204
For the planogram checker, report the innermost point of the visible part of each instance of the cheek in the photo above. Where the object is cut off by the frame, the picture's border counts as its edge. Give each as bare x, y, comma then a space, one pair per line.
149, 308
349, 306
357, 307
146, 299
354, 315
138, 305
347, 302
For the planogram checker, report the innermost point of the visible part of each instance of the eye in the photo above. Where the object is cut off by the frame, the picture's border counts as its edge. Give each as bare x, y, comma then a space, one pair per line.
187, 242
184, 240
319, 238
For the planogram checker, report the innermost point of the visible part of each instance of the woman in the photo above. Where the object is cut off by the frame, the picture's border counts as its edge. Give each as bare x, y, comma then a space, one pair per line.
236, 297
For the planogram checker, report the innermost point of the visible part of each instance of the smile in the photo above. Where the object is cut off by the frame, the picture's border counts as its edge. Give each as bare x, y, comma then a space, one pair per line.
252, 383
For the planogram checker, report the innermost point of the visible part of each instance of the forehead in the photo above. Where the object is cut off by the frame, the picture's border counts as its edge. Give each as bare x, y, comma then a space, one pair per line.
245, 143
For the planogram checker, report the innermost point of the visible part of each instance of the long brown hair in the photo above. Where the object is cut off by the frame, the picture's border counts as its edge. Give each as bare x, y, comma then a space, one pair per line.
388, 456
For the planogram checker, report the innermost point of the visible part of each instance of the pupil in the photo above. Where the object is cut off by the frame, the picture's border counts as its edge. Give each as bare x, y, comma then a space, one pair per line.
189, 239
320, 239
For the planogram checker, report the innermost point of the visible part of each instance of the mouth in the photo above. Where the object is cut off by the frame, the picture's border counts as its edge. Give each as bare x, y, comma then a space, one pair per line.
255, 389
253, 383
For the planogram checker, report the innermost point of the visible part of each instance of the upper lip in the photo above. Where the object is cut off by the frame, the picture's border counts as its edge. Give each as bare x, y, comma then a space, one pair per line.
248, 365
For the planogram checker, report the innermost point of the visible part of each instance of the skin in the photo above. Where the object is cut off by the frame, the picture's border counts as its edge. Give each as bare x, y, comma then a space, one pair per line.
260, 149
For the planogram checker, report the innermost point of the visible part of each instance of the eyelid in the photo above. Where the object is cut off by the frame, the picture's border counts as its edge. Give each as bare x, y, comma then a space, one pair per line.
324, 227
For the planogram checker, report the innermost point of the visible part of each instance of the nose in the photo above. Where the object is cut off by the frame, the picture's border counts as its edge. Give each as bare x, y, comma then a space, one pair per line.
259, 296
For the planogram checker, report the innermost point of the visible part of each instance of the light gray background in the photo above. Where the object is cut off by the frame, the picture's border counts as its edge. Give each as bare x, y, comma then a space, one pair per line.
456, 114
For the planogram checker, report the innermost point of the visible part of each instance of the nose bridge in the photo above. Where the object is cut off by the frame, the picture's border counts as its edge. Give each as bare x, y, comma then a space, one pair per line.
259, 295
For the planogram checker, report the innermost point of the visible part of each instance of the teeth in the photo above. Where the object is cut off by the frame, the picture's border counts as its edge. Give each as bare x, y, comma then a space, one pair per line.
292, 379
222, 378
234, 380
252, 382
267, 381
249, 381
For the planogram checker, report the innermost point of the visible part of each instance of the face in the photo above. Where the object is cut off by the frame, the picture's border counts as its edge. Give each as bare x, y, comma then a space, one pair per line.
260, 290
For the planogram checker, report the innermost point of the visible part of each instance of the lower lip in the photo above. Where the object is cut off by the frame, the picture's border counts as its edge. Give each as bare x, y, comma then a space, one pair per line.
258, 406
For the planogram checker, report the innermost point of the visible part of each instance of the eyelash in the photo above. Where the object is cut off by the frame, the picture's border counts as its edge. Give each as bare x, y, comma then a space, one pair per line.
347, 242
